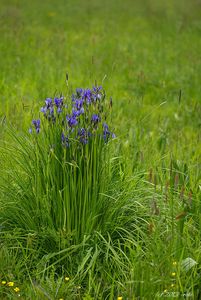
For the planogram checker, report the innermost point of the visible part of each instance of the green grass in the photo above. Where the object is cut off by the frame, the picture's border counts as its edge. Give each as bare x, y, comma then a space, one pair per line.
146, 54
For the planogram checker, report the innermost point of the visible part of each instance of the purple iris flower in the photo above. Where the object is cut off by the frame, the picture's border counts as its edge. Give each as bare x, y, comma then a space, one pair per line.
97, 93
59, 110
59, 103
51, 109
83, 136
97, 88
36, 124
105, 126
65, 140
106, 132
79, 103
87, 96
95, 118
48, 107
77, 113
48, 102
72, 121
44, 110
81, 110
79, 91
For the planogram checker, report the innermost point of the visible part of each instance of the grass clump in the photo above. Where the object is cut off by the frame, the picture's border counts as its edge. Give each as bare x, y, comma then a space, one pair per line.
70, 206
63, 167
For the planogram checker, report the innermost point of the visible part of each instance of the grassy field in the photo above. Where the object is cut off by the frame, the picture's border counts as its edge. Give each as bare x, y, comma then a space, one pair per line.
119, 220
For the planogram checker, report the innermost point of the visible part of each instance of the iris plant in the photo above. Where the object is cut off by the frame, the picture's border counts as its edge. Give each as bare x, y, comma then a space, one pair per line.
81, 120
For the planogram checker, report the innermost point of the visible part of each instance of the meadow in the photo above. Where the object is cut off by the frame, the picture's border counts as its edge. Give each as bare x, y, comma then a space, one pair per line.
112, 212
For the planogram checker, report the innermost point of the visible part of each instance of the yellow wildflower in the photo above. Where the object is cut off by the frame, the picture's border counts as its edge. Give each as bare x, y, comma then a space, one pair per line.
3, 282
66, 278
51, 13
174, 263
61, 298
120, 298
173, 274
172, 285
16, 289
165, 291
10, 283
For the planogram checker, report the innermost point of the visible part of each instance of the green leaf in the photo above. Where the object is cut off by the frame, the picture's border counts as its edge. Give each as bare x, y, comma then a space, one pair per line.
188, 263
